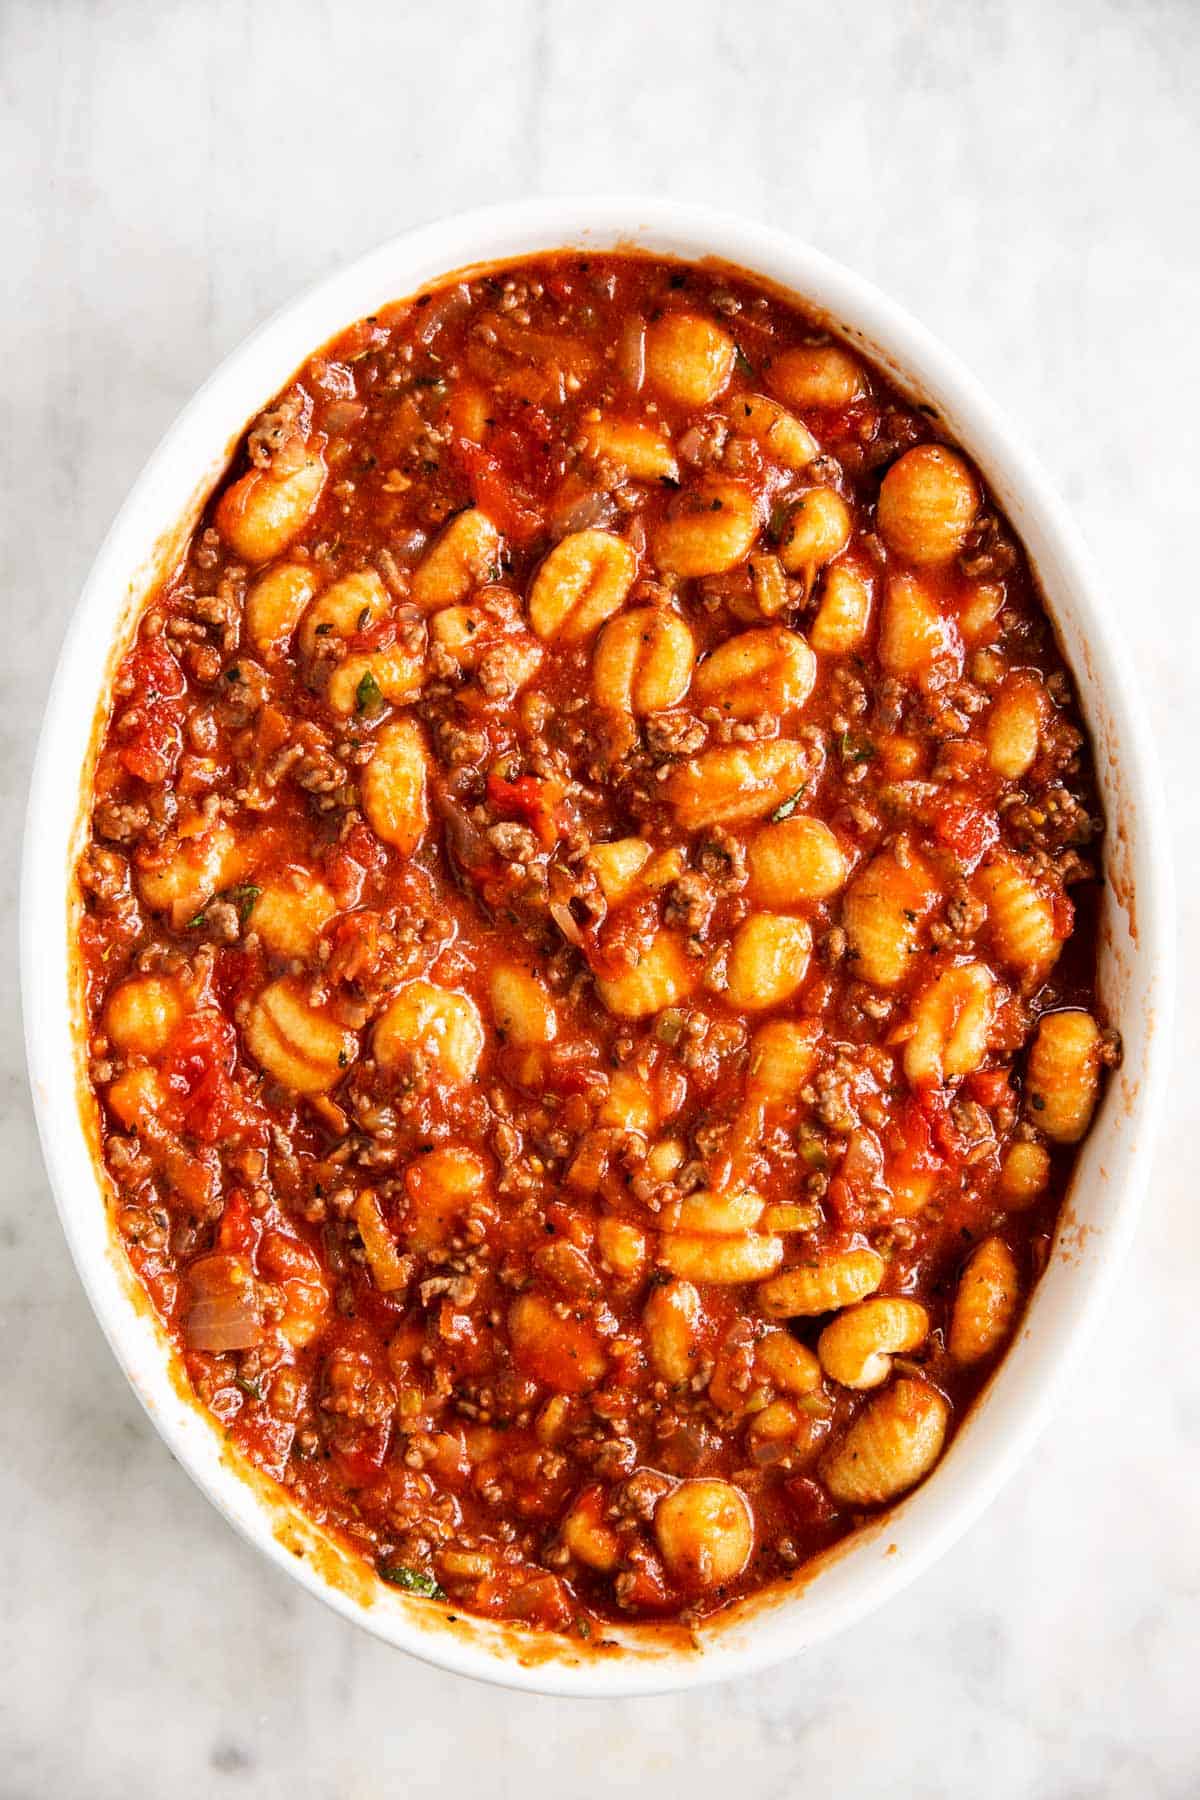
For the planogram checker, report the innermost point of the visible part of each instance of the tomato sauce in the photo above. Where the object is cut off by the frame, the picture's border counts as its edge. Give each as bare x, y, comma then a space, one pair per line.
580, 856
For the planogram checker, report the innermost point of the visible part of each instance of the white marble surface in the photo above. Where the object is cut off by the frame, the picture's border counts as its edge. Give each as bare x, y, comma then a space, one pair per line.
1024, 176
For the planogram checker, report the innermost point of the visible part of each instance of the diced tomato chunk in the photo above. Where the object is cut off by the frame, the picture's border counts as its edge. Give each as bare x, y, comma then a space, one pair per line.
239, 1230
964, 826
536, 802
197, 1073
511, 512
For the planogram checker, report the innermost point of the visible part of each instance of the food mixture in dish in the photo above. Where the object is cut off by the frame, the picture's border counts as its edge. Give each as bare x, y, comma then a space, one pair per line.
589, 933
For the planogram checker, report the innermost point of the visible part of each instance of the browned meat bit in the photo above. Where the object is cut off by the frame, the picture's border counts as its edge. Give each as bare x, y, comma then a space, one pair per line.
975, 1130
243, 693
964, 915
515, 843
835, 1106
832, 946
721, 859
317, 770
121, 822
638, 1497
987, 551
673, 734
221, 922
888, 711
105, 875
458, 746
1056, 818
278, 436
689, 903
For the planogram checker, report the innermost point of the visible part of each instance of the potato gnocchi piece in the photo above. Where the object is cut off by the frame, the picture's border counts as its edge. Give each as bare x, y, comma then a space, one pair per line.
441, 1186
721, 1214
617, 865
521, 1008
433, 1023
352, 604
856, 1347
688, 357
844, 613
637, 449
818, 529
985, 1305
783, 1055
1062, 1082
1021, 919
794, 862
358, 685
142, 1014
1014, 725
580, 584
466, 553
1024, 1174
777, 432
768, 960
395, 786
643, 661
787, 1364
587, 1537
137, 1098
768, 670
720, 1260
734, 784
297, 1043
882, 914
708, 530
469, 632
260, 515
663, 977
671, 1321
891, 1444
836, 1279
198, 868
290, 914
950, 1022
276, 604
915, 637
705, 1532
927, 503
817, 377
623, 1246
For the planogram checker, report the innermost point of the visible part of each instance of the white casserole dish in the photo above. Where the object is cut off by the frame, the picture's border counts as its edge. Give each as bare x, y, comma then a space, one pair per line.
1135, 977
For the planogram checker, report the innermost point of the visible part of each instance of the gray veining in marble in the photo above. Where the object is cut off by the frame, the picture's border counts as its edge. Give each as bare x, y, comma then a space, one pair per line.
1024, 177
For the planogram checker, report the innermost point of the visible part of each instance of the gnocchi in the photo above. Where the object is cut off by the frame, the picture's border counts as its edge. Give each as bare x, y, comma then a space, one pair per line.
572, 941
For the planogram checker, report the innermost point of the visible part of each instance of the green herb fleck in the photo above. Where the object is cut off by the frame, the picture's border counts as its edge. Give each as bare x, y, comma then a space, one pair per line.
411, 1580
777, 523
343, 1060
789, 806
742, 363
245, 899
812, 1149
855, 750
248, 1387
367, 697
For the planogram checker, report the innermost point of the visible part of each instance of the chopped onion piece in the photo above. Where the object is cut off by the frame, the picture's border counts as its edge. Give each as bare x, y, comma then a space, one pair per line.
225, 1313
